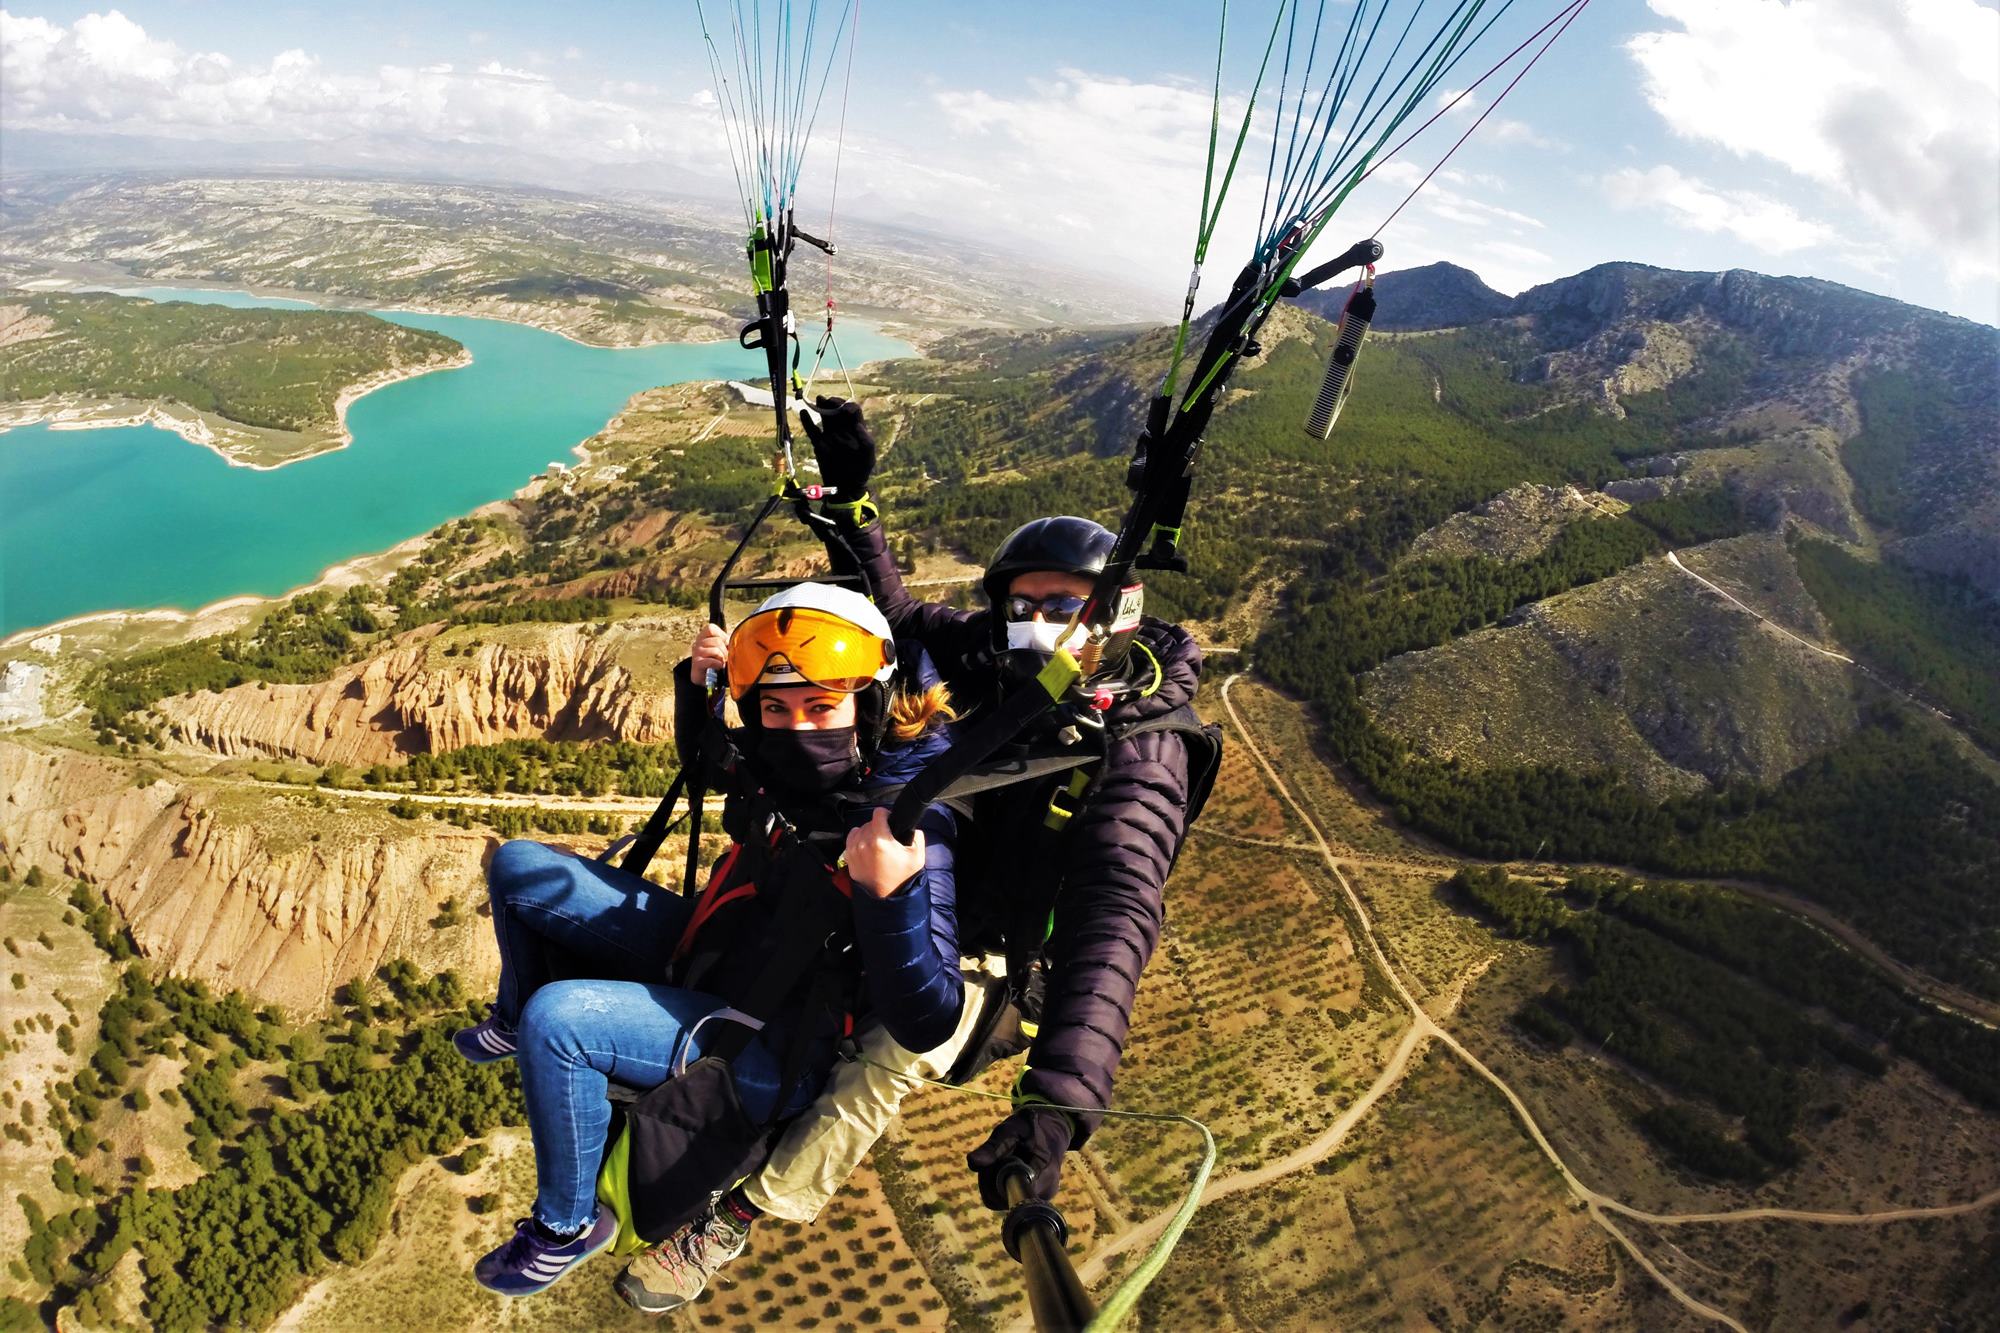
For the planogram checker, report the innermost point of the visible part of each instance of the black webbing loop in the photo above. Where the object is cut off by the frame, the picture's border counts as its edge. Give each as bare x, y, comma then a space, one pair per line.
647, 845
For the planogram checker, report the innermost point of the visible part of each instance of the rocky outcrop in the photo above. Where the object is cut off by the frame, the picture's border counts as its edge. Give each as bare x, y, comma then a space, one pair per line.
1630, 359
1788, 316
1517, 524
278, 893
1647, 674
436, 691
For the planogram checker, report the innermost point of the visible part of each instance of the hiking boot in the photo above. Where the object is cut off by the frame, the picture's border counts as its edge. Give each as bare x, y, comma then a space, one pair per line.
486, 1042
529, 1262
676, 1271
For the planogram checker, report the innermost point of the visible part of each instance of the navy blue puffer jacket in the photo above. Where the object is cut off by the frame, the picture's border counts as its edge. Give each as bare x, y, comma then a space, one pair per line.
908, 940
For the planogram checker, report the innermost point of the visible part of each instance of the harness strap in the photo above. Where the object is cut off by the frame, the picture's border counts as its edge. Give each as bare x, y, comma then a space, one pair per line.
658, 824
809, 927
686, 1043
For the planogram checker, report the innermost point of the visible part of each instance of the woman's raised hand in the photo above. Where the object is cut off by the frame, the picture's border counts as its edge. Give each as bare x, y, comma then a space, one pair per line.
877, 861
709, 653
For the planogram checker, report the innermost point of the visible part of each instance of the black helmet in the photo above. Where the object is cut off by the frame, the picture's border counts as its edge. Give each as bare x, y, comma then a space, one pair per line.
1063, 544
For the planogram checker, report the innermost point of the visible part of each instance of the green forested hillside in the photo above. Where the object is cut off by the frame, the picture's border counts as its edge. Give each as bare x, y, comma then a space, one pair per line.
1918, 453
1892, 827
276, 369
307, 1176
1938, 634
1678, 980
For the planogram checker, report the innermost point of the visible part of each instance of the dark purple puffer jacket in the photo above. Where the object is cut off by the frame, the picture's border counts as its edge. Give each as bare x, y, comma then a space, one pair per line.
1119, 849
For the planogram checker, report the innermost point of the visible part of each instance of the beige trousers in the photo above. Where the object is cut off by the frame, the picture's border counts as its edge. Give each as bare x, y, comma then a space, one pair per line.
829, 1139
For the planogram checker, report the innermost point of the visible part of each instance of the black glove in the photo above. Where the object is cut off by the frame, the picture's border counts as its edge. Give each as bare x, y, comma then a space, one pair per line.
843, 446
1035, 1136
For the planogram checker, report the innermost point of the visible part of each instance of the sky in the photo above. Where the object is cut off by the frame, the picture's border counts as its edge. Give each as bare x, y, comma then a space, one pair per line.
1852, 140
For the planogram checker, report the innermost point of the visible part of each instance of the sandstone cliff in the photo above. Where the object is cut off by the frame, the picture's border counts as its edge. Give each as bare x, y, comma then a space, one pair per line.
436, 691
273, 892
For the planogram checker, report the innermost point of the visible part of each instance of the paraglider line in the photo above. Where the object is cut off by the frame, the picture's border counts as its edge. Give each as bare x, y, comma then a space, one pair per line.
1580, 6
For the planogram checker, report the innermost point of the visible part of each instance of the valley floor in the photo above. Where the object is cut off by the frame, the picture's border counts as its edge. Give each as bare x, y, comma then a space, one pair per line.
1441, 1166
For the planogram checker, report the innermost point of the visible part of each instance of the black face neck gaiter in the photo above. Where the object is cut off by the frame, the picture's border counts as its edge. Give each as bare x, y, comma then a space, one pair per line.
811, 763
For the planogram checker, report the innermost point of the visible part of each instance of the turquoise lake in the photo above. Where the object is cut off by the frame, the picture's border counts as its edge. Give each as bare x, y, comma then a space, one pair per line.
136, 517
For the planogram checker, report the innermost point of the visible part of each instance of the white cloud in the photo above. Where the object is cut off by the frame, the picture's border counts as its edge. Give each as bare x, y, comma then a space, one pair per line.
1462, 105
1100, 162
105, 73
1891, 103
1520, 133
1765, 224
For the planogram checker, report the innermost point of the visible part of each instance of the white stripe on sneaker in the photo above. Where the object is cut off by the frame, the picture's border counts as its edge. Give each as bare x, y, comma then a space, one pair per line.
545, 1266
494, 1042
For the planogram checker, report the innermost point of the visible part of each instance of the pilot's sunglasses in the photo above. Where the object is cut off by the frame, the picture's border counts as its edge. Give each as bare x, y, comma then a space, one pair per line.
1063, 606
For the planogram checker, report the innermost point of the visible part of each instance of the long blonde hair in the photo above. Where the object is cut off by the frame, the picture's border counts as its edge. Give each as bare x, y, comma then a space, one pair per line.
911, 715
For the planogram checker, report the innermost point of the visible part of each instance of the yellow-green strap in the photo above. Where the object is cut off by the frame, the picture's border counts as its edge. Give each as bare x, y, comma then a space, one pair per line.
855, 514
1120, 1304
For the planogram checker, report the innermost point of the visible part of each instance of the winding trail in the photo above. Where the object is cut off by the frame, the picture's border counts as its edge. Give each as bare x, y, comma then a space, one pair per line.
1592, 1200
1674, 559
1986, 1200
1221, 1187
1902, 692
1601, 1208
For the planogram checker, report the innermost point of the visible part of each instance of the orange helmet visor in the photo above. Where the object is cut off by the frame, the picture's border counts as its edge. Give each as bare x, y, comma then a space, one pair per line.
802, 646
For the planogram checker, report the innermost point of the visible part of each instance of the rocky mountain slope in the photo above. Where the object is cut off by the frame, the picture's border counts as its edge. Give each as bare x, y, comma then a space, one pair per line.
1648, 674
1435, 296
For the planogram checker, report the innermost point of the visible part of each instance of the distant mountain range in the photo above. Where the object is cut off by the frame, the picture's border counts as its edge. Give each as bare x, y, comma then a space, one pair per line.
630, 269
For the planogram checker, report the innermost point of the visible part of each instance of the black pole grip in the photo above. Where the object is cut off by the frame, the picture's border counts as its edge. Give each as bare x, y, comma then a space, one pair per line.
1035, 1234
1357, 255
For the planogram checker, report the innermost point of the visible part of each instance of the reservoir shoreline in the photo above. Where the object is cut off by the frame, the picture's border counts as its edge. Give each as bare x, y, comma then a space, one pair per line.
59, 414
133, 284
443, 447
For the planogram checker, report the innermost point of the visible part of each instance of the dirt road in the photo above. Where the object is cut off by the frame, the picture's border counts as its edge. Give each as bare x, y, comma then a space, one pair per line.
1601, 1208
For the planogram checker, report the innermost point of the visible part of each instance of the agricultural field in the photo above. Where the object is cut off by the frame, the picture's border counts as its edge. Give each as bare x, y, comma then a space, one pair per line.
451, 1211
1435, 1213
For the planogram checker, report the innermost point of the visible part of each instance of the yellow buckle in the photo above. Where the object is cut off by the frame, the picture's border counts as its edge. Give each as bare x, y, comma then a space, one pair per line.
1065, 801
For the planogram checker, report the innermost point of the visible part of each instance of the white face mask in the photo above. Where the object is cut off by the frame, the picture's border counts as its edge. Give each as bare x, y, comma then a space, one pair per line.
1044, 637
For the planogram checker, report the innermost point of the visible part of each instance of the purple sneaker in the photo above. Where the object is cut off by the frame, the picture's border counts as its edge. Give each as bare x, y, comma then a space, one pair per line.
486, 1042
527, 1263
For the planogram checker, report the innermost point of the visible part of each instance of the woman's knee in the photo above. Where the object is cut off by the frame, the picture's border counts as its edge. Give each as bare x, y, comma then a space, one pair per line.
563, 1018
550, 1021
515, 865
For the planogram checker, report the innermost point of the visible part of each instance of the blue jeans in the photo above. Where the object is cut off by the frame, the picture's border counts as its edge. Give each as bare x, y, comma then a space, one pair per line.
558, 916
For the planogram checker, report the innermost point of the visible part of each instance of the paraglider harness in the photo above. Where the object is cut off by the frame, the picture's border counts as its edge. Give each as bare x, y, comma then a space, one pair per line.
778, 894
1014, 855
